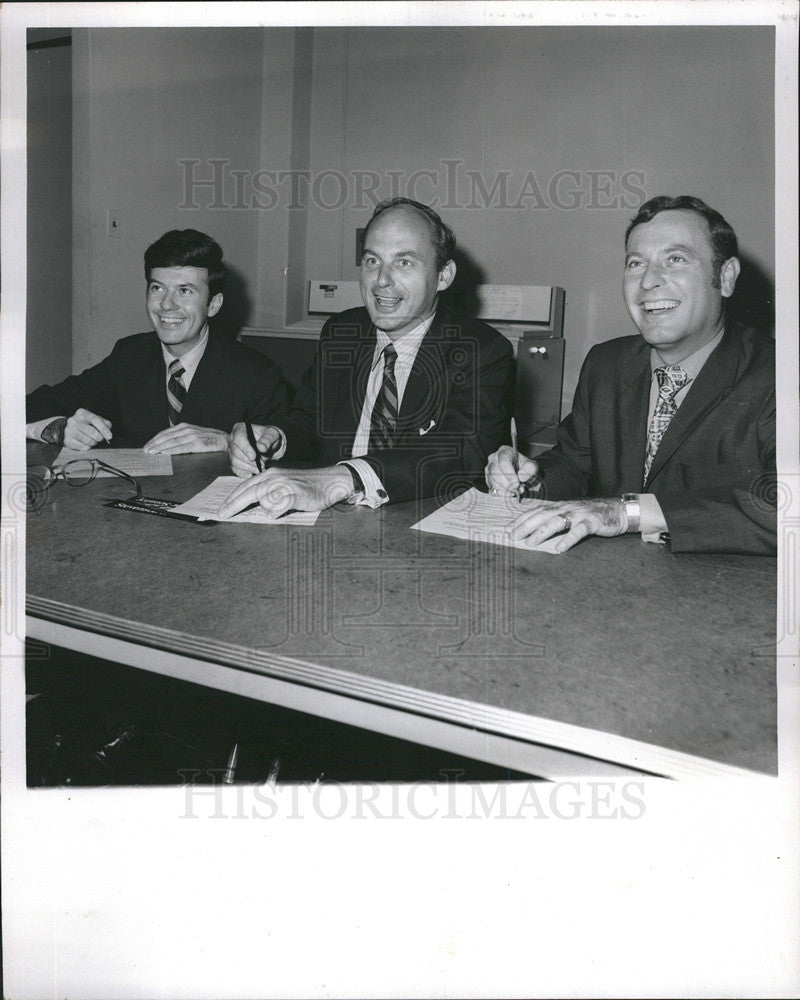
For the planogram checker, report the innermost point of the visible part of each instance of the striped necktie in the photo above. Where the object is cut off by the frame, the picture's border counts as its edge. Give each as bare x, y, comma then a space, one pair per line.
176, 391
384, 412
671, 380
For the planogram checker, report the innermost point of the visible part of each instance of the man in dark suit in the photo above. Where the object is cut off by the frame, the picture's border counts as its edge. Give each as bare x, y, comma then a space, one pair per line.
405, 398
673, 431
178, 389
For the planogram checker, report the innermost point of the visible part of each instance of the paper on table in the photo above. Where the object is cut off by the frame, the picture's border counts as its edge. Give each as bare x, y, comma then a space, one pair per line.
483, 518
205, 506
131, 460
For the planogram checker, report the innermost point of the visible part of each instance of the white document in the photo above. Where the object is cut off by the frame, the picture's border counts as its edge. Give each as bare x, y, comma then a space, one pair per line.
131, 460
205, 506
481, 517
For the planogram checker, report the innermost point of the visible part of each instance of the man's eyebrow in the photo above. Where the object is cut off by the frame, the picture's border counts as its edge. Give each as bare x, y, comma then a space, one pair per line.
683, 247
400, 253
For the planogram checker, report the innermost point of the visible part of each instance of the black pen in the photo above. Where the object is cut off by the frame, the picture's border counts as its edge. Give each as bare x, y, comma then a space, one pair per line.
252, 439
524, 490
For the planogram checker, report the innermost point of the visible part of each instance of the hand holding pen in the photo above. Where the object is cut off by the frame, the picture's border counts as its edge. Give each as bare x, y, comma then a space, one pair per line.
251, 447
510, 474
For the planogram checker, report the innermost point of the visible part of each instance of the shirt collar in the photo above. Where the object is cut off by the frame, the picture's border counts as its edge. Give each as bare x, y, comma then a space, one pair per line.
191, 359
406, 345
694, 362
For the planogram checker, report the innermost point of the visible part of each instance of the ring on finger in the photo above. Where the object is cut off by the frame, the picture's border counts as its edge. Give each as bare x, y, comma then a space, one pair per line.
567, 521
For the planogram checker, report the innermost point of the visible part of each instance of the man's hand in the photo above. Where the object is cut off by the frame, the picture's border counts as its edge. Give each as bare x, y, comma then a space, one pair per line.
243, 458
575, 518
282, 490
504, 477
183, 439
85, 429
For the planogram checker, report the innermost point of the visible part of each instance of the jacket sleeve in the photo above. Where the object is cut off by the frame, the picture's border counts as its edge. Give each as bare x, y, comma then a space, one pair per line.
267, 394
566, 469
738, 515
94, 389
477, 401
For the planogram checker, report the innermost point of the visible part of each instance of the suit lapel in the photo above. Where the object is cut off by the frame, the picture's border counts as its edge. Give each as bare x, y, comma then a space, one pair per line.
426, 381
714, 380
153, 389
633, 403
203, 381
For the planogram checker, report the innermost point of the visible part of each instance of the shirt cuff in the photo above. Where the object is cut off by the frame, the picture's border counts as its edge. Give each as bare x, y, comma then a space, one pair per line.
652, 522
34, 431
373, 494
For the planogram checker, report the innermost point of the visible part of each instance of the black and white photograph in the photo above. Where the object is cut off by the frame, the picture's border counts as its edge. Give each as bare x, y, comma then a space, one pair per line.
400, 500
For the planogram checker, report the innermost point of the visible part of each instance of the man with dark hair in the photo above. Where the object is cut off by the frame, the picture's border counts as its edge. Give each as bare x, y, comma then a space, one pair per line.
673, 431
405, 398
178, 389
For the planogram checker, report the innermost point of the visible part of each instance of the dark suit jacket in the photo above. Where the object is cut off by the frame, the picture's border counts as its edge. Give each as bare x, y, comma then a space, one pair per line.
129, 389
455, 410
714, 471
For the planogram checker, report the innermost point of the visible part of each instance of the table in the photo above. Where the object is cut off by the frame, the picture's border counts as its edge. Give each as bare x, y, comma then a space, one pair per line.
617, 657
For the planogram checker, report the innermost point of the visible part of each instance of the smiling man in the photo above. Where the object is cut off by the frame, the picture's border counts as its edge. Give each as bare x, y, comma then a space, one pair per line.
405, 397
672, 433
178, 389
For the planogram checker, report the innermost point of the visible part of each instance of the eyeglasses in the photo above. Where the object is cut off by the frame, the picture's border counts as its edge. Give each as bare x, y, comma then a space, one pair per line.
78, 472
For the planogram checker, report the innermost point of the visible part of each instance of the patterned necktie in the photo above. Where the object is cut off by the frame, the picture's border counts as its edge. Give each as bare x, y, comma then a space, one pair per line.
176, 391
671, 379
384, 413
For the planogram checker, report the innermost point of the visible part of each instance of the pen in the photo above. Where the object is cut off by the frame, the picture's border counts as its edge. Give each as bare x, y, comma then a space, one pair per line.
524, 489
252, 439
230, 770
515, 446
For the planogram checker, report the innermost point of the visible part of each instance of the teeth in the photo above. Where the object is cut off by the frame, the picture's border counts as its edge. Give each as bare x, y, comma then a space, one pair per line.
385, 301
659, 306
171, 321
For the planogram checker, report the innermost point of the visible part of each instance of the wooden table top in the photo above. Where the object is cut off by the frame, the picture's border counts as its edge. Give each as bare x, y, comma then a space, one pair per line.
617, 636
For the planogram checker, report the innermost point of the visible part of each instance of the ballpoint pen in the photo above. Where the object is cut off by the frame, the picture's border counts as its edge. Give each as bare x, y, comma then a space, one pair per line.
230, 771
252, 439
524, 489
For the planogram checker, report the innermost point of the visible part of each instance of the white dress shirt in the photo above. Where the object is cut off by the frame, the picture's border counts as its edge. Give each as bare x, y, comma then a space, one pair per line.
407, 345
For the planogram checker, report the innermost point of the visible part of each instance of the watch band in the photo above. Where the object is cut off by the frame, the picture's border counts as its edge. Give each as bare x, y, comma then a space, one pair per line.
633, 509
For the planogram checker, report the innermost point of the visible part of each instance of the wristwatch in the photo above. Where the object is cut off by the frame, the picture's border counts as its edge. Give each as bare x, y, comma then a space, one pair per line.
630, 501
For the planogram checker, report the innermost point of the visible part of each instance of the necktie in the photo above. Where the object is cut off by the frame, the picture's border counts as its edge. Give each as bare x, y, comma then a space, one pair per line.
671, 379
384, 413
176, 391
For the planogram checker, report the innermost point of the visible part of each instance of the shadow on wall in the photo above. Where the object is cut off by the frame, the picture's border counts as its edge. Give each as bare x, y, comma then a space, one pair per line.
753, 300
462, 294
236, 306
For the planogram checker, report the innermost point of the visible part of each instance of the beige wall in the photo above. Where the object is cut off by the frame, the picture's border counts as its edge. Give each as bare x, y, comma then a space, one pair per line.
688, 110
675, 110
49, 211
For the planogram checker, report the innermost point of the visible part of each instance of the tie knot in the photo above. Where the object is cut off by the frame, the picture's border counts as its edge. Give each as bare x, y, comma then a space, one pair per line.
389, 356
176, 369
671, 379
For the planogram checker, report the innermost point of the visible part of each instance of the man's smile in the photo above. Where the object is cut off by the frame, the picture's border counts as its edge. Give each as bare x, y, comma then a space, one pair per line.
660, 306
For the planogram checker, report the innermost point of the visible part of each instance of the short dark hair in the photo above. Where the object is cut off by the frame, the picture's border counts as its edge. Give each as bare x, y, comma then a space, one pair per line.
188, 248
442, 237
723, 239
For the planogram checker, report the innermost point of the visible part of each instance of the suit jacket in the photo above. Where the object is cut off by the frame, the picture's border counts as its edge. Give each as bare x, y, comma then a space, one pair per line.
455, 409
129, 389
714, 471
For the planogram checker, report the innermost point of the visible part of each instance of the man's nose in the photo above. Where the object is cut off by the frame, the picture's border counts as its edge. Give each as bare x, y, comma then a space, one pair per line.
653, 276
384, 277
168, 300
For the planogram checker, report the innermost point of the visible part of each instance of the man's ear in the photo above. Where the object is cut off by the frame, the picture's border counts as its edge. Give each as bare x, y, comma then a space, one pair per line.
215, 304
446, 275
728, 274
